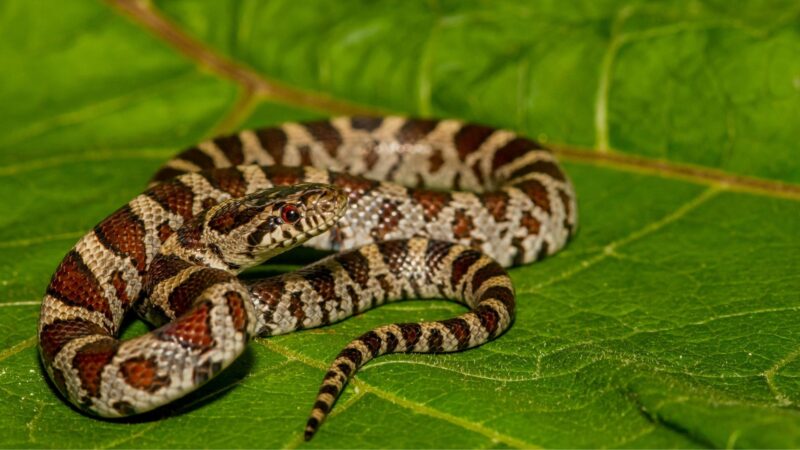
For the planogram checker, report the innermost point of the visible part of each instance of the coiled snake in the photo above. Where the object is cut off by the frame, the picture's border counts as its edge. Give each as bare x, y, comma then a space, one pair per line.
454, 204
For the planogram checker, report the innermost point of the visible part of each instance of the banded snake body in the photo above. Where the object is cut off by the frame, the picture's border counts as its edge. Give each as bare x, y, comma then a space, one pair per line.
416, 208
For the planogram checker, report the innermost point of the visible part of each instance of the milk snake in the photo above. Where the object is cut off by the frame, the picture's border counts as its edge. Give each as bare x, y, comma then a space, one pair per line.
454, 203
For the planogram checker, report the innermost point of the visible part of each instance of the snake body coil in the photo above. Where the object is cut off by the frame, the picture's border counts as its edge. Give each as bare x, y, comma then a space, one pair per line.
418, 209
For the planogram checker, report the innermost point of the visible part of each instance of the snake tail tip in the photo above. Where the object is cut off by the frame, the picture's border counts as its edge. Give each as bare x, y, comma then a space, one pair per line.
311, 428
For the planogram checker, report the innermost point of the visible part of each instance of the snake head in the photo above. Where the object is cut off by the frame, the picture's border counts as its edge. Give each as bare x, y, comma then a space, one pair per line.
246, 231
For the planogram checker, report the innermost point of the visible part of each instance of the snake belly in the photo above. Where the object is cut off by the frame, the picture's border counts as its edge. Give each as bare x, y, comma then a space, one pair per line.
434, 209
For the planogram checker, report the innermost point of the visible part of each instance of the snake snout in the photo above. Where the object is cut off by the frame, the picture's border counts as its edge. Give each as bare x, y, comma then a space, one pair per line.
331, 201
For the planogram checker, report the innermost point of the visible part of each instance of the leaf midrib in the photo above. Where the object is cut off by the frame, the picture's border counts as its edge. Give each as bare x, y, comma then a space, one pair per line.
256, 87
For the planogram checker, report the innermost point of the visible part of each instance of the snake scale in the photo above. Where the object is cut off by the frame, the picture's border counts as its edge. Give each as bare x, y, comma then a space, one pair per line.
416, 209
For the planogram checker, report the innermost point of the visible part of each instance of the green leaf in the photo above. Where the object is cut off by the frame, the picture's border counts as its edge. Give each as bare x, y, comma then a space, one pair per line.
669, 321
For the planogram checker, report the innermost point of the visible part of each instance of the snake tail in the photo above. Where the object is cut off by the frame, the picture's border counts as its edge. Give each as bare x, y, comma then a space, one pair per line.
400, 269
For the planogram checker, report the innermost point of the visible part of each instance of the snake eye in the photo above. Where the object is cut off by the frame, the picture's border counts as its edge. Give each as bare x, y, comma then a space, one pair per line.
290, 214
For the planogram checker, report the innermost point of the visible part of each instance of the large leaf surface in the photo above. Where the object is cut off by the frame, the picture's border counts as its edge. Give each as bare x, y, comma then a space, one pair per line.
669, 321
